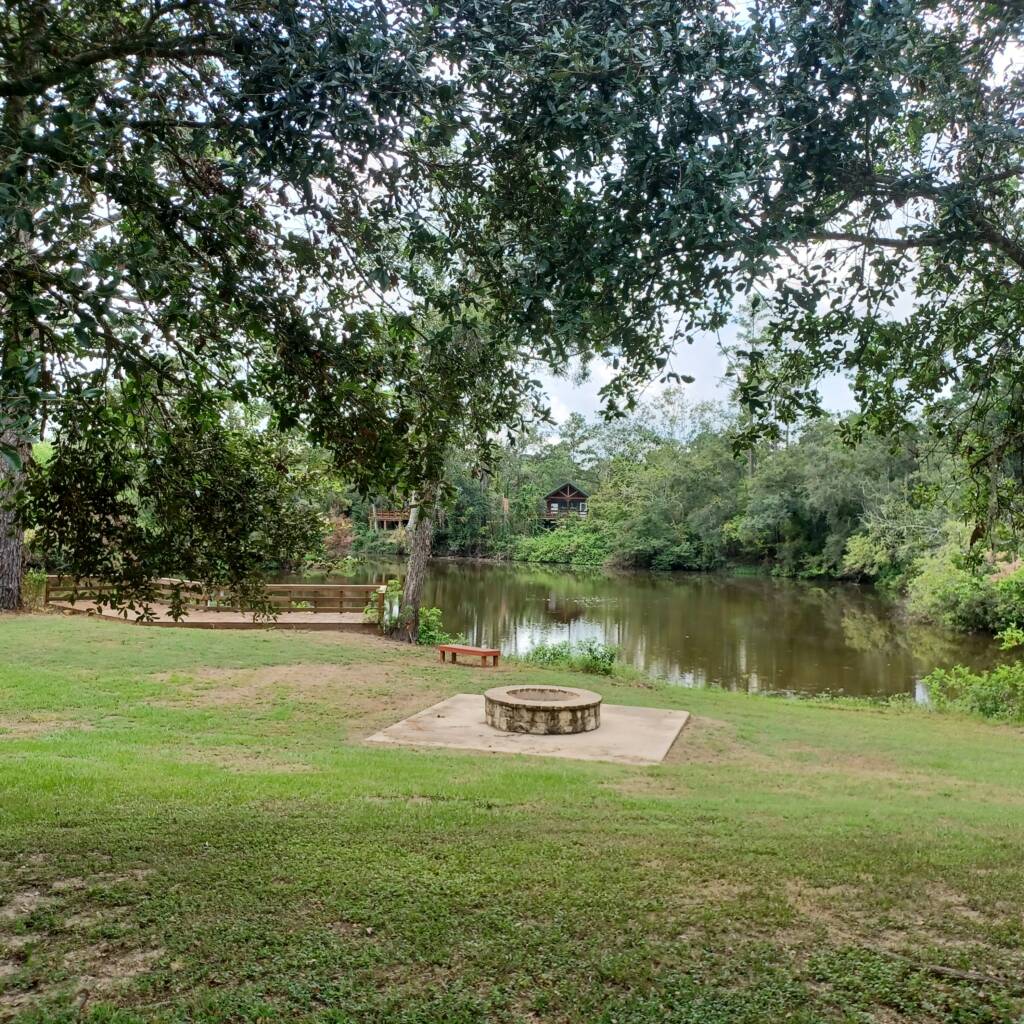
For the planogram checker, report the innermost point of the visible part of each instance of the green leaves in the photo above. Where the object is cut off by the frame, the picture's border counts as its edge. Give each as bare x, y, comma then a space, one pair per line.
376, 219
178, 494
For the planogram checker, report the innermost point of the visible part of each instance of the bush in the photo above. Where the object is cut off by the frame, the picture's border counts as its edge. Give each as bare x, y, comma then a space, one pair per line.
33, 590
1010, 637
945, 592
995, 694
965, 597
1009, 600
392, 603
340, 536
573, 542
383, 544
586, 656
432, 631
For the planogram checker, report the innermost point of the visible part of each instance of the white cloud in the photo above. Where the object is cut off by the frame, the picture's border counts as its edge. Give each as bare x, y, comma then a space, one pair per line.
703, 360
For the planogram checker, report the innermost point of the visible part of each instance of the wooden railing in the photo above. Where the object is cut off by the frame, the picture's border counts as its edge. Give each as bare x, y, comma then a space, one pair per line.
565, 513
388, 516
282, 597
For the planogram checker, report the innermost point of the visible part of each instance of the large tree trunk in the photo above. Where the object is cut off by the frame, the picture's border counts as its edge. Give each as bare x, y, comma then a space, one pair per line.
12, 537
15, 326
421, 531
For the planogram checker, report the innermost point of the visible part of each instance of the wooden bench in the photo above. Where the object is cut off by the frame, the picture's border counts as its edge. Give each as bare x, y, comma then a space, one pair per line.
456, 649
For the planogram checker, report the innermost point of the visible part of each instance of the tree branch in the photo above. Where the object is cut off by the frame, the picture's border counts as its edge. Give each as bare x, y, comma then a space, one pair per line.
198, 45
875, 240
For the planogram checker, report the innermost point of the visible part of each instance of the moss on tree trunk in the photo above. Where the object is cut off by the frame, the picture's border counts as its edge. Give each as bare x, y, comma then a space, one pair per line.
421, 528
12, 536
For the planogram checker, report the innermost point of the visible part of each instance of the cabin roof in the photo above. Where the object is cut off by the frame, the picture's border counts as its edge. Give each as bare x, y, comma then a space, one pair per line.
566, 490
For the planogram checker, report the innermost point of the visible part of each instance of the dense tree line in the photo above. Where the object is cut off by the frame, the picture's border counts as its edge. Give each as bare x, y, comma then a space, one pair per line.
669, 491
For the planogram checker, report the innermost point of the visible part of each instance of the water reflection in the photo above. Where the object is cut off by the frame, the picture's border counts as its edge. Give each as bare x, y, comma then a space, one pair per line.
742, 633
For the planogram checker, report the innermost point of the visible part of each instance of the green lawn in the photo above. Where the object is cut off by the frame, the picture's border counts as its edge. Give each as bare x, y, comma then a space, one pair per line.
191, 829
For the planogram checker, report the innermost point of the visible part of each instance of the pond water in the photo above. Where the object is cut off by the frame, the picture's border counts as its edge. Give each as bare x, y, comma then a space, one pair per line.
751, 633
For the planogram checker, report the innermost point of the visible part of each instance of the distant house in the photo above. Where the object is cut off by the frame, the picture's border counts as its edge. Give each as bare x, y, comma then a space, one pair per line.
567, 500
388, 518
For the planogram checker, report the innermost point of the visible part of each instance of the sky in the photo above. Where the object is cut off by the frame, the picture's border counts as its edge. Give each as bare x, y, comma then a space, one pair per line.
703, 361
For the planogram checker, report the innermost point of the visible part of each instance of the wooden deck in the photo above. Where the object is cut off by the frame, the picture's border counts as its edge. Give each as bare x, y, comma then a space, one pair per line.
297, 606
347, 622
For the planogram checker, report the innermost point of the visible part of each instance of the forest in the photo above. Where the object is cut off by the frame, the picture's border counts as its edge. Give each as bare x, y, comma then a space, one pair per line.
670, 490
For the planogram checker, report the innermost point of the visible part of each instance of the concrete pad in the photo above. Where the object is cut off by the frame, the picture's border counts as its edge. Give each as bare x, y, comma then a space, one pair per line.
627, 735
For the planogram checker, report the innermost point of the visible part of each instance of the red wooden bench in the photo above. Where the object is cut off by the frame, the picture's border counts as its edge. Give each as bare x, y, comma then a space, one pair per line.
456, 649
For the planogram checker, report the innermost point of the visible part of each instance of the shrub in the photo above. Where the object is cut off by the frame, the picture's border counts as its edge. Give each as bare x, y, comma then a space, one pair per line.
586, 656
432, 631
33, 589
965, 597
1010, 637
1009, 608
946, 591
998, 693
573, 542
320, 569
384, 544
392, 603
340, 536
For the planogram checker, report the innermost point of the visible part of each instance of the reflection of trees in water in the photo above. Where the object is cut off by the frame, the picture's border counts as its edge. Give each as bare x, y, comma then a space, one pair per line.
866, 631
748, 633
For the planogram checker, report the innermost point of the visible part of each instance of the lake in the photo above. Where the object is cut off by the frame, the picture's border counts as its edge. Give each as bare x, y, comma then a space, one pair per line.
753, 633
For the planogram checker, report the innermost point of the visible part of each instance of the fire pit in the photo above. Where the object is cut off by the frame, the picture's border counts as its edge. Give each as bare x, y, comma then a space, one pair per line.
542, 710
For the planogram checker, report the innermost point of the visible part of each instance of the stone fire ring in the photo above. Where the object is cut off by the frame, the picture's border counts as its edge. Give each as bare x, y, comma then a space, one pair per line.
542, 710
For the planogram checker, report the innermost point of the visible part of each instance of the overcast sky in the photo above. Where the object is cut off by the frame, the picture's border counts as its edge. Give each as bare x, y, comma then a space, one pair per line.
703, 361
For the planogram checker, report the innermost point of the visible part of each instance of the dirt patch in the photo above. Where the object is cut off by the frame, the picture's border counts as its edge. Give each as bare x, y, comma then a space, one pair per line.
38, 725
22, 903
237, 760
709, 740
829, 909
102, 967
14, 943
83, 920
225, 688
86, 919
94, 969
351, 930
105, 878
68, 884
370, 693
955, 903
702, 741
937, 918
810, 759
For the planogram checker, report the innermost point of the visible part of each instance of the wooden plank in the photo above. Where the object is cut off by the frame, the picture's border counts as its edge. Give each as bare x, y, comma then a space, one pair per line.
338, 598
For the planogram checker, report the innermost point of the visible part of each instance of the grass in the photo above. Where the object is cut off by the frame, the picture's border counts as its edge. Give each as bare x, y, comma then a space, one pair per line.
192, 830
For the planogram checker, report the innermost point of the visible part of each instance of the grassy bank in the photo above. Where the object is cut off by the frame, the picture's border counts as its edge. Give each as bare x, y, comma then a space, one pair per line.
191, 829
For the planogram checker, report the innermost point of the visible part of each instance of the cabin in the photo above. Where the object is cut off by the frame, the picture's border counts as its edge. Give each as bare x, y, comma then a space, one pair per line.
567, 500
388, 518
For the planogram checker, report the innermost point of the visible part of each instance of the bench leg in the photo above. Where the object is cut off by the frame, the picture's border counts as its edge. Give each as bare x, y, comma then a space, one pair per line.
455, 658
494, 661
442, 656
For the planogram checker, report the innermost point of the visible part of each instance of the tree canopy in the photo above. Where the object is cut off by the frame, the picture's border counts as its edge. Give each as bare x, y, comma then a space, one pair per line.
319, 204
